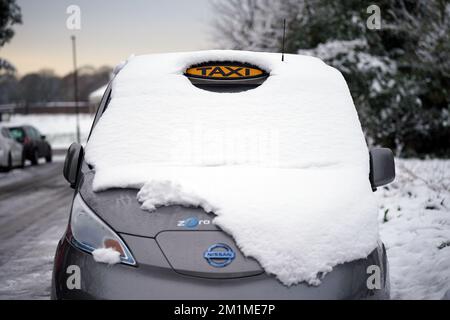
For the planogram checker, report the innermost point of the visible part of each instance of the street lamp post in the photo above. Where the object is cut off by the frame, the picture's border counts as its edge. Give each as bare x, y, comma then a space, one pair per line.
75, 85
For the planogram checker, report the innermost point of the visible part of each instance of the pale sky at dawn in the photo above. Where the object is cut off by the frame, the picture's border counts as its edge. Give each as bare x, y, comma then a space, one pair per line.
111, 30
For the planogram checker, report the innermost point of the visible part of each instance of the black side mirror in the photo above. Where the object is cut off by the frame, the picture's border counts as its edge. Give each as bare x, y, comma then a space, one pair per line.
72, 163
43, 137
382, 167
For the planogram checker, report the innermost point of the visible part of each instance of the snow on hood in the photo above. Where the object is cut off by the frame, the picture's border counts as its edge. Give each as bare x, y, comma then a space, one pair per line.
283, 166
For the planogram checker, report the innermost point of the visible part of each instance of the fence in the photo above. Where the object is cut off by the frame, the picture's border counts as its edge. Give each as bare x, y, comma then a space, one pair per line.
58, 107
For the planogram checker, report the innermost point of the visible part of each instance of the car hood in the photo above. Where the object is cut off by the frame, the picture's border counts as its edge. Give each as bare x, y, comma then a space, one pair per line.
120, 209
184, 234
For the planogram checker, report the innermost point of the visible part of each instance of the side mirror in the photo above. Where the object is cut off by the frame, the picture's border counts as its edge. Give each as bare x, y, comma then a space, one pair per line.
43, 137
72, 163
382, 167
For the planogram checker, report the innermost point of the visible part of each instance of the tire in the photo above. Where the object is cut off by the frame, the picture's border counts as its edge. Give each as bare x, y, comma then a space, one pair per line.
8, 164
49, 156
22, 161
35, 157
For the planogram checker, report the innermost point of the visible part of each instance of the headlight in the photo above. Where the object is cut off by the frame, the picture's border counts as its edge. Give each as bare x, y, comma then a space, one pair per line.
89, 232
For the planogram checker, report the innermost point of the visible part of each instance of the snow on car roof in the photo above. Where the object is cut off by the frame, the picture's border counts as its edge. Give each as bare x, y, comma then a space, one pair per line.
304, 106
284, 166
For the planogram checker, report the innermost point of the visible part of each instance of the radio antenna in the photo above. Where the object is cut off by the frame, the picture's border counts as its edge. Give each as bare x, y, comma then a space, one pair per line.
284, 34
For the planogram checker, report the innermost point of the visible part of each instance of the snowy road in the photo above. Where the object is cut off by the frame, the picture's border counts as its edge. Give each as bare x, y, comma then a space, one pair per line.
34, 208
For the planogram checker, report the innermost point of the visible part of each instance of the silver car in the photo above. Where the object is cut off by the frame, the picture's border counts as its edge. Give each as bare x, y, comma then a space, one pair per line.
11, 152
177, 253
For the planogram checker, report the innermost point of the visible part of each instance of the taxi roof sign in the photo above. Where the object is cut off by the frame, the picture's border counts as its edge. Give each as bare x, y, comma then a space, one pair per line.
226, 73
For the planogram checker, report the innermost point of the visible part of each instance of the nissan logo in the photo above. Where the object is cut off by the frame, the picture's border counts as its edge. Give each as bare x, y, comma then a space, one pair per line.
219, 255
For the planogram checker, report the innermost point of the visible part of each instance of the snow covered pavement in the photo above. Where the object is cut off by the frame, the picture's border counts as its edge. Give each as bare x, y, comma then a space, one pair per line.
415, 228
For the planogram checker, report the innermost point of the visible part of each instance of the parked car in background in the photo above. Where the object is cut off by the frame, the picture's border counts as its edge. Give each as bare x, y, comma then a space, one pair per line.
11, 152
34, 144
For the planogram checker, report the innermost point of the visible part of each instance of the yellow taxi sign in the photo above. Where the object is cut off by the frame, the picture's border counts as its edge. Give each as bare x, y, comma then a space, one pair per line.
224, 71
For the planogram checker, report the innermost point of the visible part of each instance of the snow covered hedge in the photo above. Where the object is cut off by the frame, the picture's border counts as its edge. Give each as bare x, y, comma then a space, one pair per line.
414, 219
398, 76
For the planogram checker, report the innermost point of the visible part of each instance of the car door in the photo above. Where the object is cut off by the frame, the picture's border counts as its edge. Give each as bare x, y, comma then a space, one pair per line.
31, 135
3, 150
39, 142
14, 148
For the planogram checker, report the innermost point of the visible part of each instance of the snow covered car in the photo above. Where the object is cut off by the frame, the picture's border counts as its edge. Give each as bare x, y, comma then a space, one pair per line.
11, 152
161, 211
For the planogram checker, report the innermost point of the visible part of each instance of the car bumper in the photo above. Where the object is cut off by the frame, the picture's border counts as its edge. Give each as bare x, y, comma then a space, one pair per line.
101, 281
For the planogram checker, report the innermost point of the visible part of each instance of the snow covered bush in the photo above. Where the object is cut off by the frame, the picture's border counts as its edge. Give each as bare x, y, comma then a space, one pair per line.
398, 76
414, 217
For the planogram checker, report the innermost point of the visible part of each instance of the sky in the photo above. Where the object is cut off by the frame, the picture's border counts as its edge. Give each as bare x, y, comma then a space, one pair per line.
111, 30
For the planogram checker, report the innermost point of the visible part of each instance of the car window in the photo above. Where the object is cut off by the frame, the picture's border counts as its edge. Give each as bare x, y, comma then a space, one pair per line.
5, 133
31, 132
37, 133
17, 133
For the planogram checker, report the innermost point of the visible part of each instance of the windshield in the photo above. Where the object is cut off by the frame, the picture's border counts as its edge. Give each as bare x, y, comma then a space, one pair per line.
5, 133
301, 116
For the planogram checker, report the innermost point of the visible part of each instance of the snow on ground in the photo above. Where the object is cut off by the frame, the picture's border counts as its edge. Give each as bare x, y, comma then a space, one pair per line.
14, 175
59, 129
415, 227
30, 171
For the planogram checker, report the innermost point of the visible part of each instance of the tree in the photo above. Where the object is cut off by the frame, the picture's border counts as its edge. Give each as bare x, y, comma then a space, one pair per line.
9, 89
43, 86
89, 79
253, 24
46, 86
9, 15
399, 76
